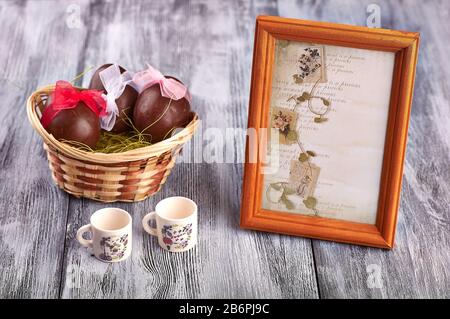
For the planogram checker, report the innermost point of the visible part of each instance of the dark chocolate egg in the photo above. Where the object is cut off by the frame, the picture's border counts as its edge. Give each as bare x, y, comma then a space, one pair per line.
79, 124
158, 116
96, 82
125, 103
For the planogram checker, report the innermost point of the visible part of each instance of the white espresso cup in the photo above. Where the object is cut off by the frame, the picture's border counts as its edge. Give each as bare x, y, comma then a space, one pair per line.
110, 230
176, 223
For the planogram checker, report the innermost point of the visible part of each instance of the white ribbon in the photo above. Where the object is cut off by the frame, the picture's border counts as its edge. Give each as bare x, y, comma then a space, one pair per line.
114, 83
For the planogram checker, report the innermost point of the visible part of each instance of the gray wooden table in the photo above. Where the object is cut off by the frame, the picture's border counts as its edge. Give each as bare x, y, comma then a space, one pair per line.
208, 44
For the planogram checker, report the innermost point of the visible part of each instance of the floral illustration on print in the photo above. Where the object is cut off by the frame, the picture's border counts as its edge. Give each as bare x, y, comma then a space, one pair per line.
309, 63
284, 121
176, 236
114, 247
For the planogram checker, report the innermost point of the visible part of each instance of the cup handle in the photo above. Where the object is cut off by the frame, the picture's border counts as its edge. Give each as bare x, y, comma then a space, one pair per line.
147, 228
81, 240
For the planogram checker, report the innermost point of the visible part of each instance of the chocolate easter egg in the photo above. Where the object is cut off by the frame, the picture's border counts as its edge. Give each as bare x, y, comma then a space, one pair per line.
158, 116
125, 104
79, 124
96, 82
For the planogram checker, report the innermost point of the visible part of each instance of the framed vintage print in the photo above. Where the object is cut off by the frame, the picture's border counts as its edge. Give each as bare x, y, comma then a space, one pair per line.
330, 106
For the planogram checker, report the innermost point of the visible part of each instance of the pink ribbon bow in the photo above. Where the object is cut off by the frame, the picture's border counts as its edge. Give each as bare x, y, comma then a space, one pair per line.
170, 88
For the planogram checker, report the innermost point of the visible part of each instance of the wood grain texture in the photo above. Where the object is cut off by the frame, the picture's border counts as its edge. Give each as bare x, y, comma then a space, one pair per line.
33, 212
418, 266
208, 45
214, 62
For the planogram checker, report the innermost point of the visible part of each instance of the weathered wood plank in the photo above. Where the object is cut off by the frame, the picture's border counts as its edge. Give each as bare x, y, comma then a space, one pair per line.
418, 266
33, 211
208, 45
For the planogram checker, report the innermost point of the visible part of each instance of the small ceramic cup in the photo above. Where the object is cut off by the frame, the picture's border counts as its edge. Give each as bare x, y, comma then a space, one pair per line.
176, 223
110, 230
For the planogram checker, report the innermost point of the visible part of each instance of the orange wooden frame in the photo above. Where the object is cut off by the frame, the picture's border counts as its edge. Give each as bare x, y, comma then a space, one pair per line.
405, 45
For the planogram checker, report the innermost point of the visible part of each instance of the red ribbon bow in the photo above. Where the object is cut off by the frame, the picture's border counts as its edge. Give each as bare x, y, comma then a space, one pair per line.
67, 97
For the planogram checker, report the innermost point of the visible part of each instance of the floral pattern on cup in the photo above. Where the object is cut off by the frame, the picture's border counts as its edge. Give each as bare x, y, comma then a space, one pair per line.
176, 236
114, 247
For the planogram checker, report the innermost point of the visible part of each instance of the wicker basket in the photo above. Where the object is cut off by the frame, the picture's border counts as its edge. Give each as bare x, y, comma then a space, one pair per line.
129, 176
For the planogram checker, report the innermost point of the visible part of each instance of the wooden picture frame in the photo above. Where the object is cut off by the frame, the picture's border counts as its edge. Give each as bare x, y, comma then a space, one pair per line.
405, 47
